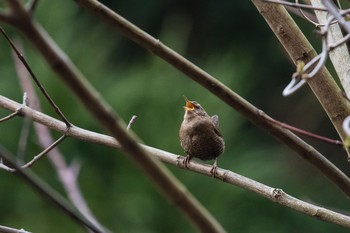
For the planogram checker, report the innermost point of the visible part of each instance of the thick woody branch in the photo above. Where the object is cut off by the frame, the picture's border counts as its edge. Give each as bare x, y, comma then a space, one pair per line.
46, 191
273, 194
62, 65
171, 187
68, 175
299, 49
337, 113
340, 55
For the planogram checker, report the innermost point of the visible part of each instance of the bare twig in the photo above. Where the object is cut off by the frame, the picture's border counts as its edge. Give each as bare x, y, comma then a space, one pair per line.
4, 229
227, 176
68, 175
132, 120
44, 152
326, 85
49, 193
74, 79
170, 186
18, 110
41, 87
12, 115
37, 157
309, 134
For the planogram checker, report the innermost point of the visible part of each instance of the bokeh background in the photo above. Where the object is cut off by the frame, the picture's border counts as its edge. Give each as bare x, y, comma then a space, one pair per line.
228, 39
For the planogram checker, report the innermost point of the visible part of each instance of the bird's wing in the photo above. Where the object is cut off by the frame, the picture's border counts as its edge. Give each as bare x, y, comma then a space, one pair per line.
215, 120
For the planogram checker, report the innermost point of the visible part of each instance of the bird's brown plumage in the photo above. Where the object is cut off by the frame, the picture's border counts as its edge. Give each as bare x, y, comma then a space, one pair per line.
199, 134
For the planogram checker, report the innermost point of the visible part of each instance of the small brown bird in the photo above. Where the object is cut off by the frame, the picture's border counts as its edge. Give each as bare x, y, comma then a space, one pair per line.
199, 134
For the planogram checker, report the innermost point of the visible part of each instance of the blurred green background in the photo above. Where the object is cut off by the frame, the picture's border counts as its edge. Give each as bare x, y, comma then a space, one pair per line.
228, 39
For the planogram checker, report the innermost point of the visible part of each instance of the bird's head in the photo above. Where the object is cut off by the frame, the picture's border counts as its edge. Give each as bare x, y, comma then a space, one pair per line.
193, 108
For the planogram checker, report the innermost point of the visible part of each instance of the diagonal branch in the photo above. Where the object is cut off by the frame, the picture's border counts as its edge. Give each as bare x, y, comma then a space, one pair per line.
4, 229
249, 111
340, 55
273, 194
299, 49
48, 192
68, 175
92, 101
161, 177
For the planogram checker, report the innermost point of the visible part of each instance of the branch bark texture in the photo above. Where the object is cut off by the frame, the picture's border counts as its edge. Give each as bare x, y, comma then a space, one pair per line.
273, 194
249, 111
163, 179
298, 48
340, 55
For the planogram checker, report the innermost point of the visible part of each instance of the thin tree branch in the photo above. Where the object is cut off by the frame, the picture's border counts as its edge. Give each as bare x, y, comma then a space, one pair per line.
45, 190
132, 120
33, 76
336, 112
73, 78
44, 152
10, 116
274, 194
306, 133
4, 229
157, 172
68, 175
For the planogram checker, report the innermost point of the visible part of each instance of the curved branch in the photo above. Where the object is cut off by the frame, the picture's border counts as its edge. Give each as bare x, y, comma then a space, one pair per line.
61, 64
167, 183
49, 193
252, 113
298, 48
273, 194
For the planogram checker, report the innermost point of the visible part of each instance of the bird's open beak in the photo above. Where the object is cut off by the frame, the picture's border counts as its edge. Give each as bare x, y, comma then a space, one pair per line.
189, 106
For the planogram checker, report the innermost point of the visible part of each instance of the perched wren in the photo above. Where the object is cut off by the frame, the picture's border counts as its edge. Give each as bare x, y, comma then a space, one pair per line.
199, 134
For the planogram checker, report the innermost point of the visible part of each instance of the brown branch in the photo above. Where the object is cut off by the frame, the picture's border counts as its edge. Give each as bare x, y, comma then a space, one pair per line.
252, 113
307, 133
73, 78
299, 49
171, 187
67, 175
10, 116
273, 194
33, 76
5, 229
46, 191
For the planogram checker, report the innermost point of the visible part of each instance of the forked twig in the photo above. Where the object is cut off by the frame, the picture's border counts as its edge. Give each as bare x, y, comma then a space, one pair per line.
274, 194
41, 87
67, 174
49, 193
18, 110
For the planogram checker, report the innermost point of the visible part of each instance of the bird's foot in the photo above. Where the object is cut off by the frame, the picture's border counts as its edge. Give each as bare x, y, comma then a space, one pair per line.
186, 161
213, 170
